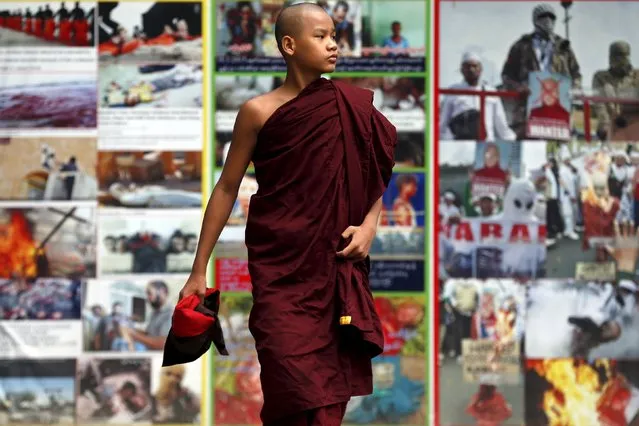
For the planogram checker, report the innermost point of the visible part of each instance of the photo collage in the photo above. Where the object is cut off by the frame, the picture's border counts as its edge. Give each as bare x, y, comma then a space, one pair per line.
382, 49
101, 169
537, 151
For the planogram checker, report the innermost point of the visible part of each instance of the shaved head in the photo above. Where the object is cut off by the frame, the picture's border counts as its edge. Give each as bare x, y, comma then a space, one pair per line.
291, 20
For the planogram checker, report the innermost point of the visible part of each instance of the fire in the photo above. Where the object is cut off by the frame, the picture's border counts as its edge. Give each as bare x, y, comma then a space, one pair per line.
577, 388
17, 248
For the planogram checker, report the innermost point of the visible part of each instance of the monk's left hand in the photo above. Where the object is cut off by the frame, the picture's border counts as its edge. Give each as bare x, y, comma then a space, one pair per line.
361, 238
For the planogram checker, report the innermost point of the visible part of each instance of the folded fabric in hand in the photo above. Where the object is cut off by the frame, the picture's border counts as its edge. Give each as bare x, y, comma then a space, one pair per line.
194, 326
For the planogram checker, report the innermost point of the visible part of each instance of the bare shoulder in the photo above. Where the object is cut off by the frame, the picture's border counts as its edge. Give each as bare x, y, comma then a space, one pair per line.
260, 108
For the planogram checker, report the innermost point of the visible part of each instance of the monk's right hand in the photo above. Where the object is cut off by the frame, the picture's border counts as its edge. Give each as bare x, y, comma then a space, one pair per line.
196, 284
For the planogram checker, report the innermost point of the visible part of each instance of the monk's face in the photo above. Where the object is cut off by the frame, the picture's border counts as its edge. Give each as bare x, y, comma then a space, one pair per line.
315, 47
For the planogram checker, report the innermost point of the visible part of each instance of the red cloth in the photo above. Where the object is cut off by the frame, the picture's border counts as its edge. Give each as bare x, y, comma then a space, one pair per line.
81, 32
493, 173
598, 223
330, 415
49, 28
554, 112
64, 34
321, 162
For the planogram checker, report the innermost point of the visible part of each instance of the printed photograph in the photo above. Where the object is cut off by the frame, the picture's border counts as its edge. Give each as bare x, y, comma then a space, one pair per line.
47, 242
38, 392
592, 187
582, 80
176, 393
575, 392
394, 30
399, 374
149, 32
47, 24
170, 179
237, 388
51, 169
246, 30
151, 86
148, 241
47, 101
481, 327
400, 232
491, 210
131, 315
113, 391
401, 99
40, 299
589, 320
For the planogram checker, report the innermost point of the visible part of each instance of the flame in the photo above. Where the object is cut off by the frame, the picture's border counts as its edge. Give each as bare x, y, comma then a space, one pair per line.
17, 249
577, 388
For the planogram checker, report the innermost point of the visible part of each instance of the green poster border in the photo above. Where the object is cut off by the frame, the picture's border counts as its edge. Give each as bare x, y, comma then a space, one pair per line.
427, 293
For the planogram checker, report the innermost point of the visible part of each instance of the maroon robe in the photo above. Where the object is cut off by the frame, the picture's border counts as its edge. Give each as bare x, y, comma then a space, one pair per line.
321, 161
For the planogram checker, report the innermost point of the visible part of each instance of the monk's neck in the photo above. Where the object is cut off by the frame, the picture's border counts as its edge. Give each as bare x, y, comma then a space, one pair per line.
296, 82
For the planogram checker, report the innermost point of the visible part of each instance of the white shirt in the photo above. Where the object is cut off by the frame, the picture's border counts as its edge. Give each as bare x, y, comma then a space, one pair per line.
448, 211
568, 181
551, 185
495, 120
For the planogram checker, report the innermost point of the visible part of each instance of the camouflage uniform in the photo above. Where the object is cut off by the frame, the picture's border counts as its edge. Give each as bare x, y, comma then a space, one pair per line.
617, 121
522, 60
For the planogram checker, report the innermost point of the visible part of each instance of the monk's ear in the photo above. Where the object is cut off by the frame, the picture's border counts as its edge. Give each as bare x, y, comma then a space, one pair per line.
288, 45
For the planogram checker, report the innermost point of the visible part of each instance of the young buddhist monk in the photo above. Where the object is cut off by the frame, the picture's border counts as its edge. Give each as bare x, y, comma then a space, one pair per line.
323, 157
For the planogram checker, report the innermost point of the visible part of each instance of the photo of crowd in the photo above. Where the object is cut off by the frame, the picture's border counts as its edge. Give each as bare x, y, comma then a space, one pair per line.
40, 299
41, 101
591, 186
148, 242
38, 392
41, 24
150, 32
113, 391
247, 29
370, 36
47, 242
151, 86
48, 169
482, 327
153, 179
492, 210
128, 315
543, 52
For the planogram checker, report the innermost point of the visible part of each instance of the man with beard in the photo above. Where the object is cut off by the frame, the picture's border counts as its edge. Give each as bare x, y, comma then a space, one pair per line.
617, 121
541, 50
173, 403
159, 324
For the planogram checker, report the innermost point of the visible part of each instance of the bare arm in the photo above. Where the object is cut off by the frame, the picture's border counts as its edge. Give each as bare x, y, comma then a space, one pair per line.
372, 218
362, 236
225, 191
